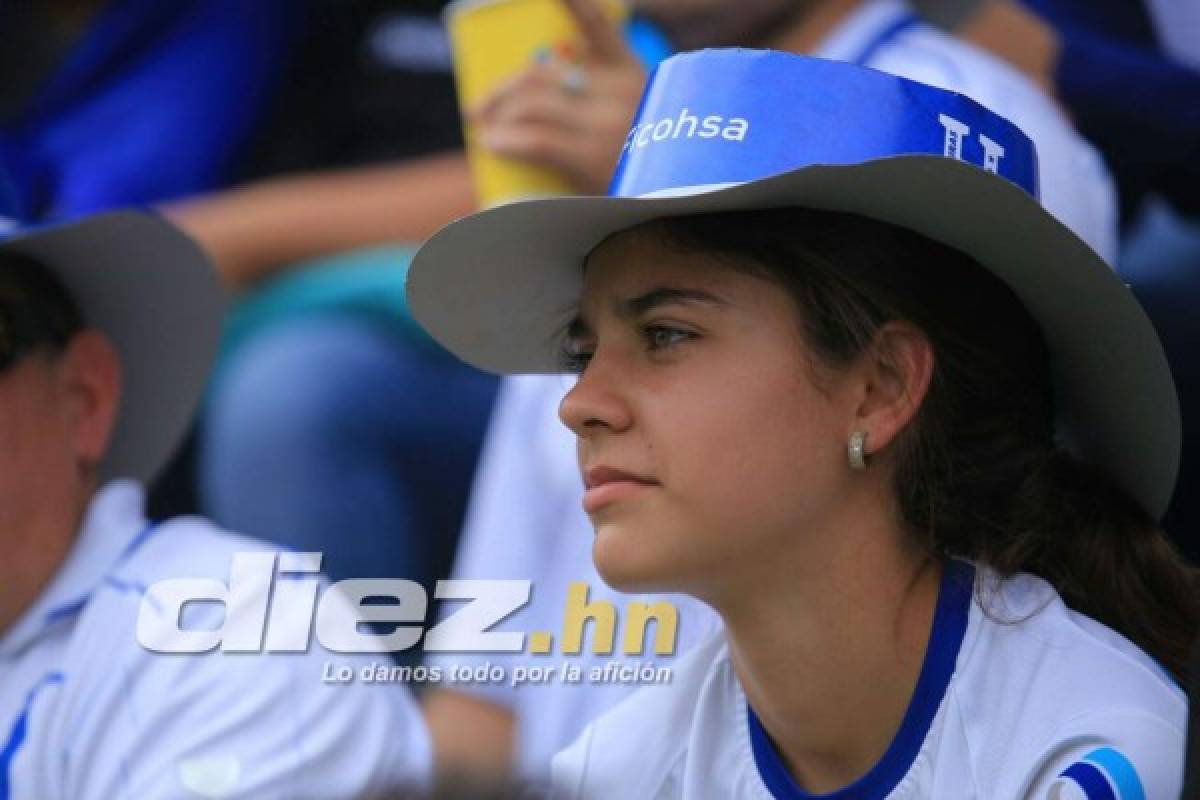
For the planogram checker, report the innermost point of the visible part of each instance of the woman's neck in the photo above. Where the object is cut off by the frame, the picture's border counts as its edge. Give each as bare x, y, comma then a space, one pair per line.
829, 647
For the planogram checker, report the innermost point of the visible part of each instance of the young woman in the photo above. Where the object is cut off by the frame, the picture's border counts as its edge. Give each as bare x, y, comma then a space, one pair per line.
859, 393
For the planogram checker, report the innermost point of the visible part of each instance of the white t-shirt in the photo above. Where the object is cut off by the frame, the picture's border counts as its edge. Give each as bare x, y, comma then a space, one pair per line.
526, 522
1075, 184
87, 712
1029, 701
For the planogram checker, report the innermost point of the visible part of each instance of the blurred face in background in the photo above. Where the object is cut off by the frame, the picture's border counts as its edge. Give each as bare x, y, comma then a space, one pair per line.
59, 389
39, 476
695, 24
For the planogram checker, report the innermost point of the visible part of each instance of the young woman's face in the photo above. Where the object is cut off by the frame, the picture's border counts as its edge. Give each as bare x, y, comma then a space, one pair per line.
704, 443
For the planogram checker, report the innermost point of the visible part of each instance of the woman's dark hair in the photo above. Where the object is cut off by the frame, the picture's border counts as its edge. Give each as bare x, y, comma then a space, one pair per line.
978, 474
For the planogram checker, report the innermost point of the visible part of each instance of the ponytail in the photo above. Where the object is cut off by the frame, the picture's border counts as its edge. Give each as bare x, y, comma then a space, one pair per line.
1106, 558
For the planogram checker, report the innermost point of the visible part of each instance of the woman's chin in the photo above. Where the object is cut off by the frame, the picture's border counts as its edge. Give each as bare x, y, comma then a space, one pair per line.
630, 561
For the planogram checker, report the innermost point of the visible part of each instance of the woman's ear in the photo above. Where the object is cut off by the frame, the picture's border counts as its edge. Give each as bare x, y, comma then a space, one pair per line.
897, 371
90, 374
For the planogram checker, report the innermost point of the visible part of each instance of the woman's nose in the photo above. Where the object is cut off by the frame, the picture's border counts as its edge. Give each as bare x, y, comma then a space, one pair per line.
596, 402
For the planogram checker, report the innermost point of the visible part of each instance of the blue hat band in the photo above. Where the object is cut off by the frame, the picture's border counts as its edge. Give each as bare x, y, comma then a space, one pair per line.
720, 117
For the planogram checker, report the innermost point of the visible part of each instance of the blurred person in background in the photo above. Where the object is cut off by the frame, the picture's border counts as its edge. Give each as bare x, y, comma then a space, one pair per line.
119, 102
333, 424
108, 327
525, 517
110, 103
1125, 72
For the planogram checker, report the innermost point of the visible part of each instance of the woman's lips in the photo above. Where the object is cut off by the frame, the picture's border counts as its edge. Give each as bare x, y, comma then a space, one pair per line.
607, 485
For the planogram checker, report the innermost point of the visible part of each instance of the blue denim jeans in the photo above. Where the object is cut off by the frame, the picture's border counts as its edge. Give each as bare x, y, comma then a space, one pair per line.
336, 433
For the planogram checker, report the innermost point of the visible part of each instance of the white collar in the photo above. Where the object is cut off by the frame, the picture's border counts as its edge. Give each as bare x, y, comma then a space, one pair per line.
113, 519
856, 33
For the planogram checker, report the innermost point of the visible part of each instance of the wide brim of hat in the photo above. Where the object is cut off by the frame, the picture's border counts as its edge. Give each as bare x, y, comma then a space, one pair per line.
155, 295
497, 289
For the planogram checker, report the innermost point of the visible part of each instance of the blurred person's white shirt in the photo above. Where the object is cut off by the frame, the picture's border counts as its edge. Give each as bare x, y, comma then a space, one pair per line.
87, 712
1177, 23
1074, 181
525, 519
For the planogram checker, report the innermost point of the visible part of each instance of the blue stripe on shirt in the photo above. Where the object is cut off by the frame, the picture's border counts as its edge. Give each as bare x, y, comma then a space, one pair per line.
19, 732
950, 619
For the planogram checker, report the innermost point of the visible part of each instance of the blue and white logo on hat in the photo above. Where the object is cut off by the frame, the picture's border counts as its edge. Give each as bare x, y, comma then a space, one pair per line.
1103, 774
717, 118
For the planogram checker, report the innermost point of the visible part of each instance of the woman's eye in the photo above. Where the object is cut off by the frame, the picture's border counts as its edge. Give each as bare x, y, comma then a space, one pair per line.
573, 357
661, 337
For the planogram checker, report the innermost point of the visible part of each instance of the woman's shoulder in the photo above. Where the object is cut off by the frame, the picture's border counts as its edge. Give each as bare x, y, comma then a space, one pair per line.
1024, 624
1049, 695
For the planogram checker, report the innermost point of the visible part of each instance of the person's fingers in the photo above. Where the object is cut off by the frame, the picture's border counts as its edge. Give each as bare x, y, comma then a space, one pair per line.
601, 34
494, 99
585, 158
539, 144
543, 104
539, 76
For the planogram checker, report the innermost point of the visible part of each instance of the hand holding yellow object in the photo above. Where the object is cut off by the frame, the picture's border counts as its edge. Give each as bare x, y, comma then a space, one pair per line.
548, 89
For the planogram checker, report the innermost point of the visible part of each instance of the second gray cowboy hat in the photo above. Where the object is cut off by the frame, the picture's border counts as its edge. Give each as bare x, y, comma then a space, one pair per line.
154, 294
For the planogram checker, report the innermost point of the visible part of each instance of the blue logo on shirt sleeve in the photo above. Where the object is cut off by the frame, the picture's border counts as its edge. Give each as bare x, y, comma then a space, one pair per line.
1103, 774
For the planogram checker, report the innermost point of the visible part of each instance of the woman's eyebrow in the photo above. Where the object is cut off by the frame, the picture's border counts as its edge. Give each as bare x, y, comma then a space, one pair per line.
664, 295
579, 328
